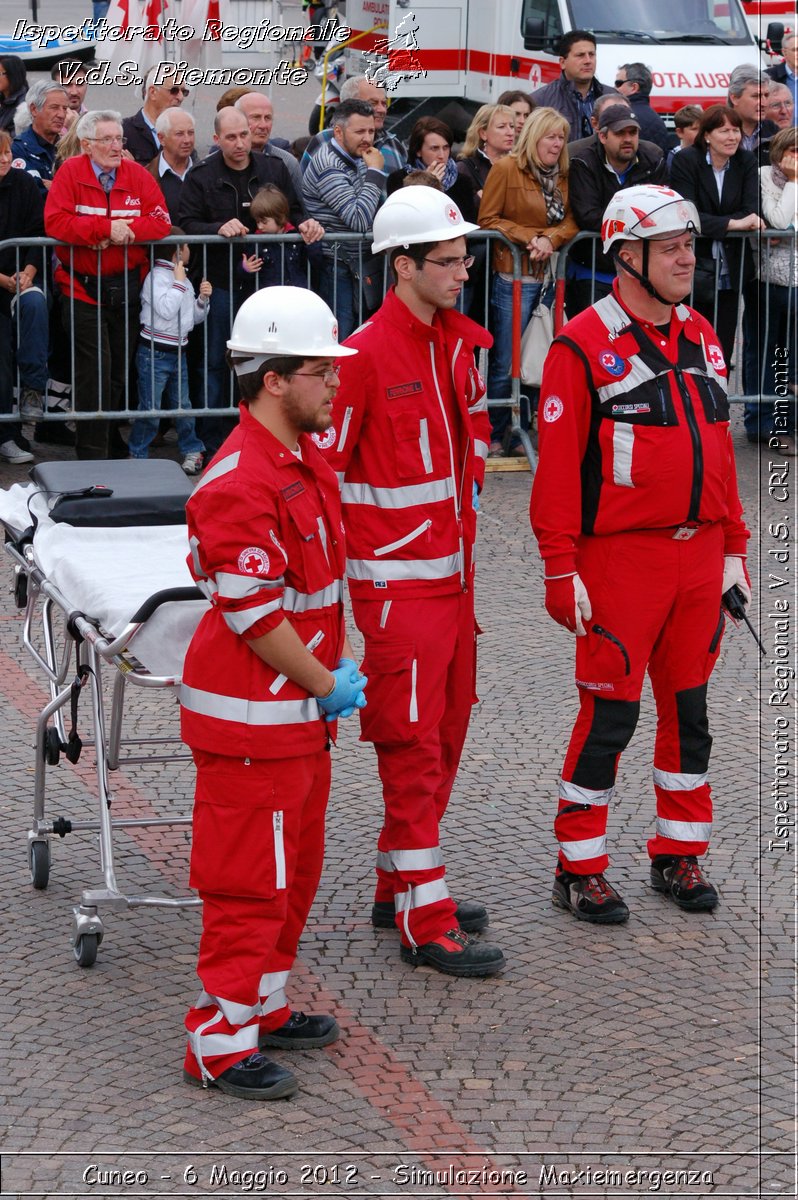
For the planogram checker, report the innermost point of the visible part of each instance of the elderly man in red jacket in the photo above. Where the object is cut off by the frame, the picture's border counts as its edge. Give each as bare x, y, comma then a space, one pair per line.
100, 202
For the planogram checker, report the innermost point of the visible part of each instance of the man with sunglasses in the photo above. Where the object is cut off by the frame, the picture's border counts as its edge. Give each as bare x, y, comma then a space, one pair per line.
164, 88
409, 441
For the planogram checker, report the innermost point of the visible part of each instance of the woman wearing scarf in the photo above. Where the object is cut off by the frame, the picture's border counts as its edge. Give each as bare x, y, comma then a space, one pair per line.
430, 149
526, 199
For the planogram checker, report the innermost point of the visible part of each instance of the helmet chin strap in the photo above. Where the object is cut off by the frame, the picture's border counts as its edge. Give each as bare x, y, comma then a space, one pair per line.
642, 277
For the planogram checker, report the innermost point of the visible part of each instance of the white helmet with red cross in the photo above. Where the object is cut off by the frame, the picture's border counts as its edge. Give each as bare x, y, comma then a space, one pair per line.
647, 211
413, 215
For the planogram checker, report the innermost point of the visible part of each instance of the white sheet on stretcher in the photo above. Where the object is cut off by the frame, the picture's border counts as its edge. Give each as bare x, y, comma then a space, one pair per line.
107, 574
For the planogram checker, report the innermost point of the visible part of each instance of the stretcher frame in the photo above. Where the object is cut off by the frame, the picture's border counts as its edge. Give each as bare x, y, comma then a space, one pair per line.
51, 644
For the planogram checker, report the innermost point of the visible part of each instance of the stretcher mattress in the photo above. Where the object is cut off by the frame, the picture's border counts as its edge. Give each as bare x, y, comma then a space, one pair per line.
106, 574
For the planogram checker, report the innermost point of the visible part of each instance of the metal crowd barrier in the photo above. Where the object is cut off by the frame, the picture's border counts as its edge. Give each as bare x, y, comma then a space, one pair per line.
755, 339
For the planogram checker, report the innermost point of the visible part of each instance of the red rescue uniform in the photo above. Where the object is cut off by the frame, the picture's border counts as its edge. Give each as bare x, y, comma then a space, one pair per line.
636, 491
266, 546
409, 440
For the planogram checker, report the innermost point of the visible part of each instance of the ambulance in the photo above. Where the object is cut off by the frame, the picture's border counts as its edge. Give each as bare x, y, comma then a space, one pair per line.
449, 56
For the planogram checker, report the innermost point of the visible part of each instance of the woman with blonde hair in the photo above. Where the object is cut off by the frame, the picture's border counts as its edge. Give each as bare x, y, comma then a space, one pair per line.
489, 137
526, 199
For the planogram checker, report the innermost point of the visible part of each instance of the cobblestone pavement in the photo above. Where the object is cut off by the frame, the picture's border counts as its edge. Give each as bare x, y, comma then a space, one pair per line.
599, 1061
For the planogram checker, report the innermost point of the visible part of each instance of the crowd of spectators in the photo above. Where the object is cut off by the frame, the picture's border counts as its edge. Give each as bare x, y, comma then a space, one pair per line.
537, 167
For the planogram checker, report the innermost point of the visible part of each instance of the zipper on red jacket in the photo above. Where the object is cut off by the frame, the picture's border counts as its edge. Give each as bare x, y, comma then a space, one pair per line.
695, 436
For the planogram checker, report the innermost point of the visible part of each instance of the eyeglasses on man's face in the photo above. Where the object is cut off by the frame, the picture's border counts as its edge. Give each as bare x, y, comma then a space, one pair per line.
330, 375
110, 141
452, 264
178, 91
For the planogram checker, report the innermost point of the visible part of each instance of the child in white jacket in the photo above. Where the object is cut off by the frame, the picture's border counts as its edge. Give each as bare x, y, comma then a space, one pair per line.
169, 311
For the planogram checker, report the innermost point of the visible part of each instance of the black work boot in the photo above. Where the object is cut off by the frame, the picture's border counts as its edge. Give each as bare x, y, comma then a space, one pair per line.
455, 953
254, 1078
302, 1033
679, 876
589, 898
470, 916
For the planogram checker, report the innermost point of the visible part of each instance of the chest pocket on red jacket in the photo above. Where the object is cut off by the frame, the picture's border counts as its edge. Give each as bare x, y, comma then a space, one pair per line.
714, 400
410, 439
312, 540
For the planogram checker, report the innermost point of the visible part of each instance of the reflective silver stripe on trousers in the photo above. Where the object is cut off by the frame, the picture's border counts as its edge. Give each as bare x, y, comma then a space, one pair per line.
222, 1043
223, 467
675, 781
623, 440
274, 981
240, 622
248, 712
398, 497
421, 894
300, 602
236, 587
481, 448
413, 568
410, 860
588, 848
583, 795
279, 850
684, 831
233, 1012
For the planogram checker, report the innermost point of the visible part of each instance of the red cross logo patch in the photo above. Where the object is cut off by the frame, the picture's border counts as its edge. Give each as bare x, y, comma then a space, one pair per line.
452, 215
552, 408
325, 440
715, 356
253, 561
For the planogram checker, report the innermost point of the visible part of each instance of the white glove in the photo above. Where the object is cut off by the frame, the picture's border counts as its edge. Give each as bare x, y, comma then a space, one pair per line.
734, 572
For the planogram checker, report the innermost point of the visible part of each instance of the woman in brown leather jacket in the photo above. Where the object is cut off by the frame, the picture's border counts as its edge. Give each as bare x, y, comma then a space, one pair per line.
526, 198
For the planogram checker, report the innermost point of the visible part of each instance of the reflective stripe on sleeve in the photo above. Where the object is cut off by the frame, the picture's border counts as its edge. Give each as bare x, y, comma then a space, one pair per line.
676, 781
583, 795
240, 622
684, 831
248, 712
413, 568
481, 448
223, 467
588, 848
236, 587
398, 497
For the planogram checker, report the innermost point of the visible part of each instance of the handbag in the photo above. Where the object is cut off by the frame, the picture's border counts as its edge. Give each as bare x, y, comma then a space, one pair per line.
535, 342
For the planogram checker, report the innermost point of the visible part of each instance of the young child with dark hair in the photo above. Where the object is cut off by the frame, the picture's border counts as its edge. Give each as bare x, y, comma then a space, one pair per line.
277, 262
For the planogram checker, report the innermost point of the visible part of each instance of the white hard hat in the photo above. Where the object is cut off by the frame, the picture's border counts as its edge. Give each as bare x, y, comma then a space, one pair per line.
279, 321
647, 211
418, 214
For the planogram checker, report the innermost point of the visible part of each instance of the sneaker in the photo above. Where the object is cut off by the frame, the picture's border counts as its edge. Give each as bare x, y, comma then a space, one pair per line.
495, 450
10, 452
470, 916
680, 877
31, 405
192, 464
455, 953
589, 898
302, 1033
254, 1078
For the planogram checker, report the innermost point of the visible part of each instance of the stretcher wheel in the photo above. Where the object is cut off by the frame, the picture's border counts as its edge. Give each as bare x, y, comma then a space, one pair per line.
39, 859
52, 746
85, 949
20, 588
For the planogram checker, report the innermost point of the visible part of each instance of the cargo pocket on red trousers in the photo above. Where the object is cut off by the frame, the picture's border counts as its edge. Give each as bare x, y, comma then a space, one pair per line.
714, 646
602, 663
237, 844
391, 714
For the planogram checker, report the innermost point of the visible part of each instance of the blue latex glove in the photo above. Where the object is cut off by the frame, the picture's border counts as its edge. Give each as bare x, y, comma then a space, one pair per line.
348, 693
475, 498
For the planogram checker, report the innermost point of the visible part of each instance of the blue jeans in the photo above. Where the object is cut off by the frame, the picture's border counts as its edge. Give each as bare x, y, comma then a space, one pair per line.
33, 338
500, 359
163, 383
341, 291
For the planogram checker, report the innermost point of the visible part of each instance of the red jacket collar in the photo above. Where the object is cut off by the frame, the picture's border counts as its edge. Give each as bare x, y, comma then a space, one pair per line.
447, 324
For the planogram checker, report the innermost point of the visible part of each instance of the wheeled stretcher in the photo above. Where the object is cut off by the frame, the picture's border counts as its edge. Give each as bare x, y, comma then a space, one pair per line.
99, 552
